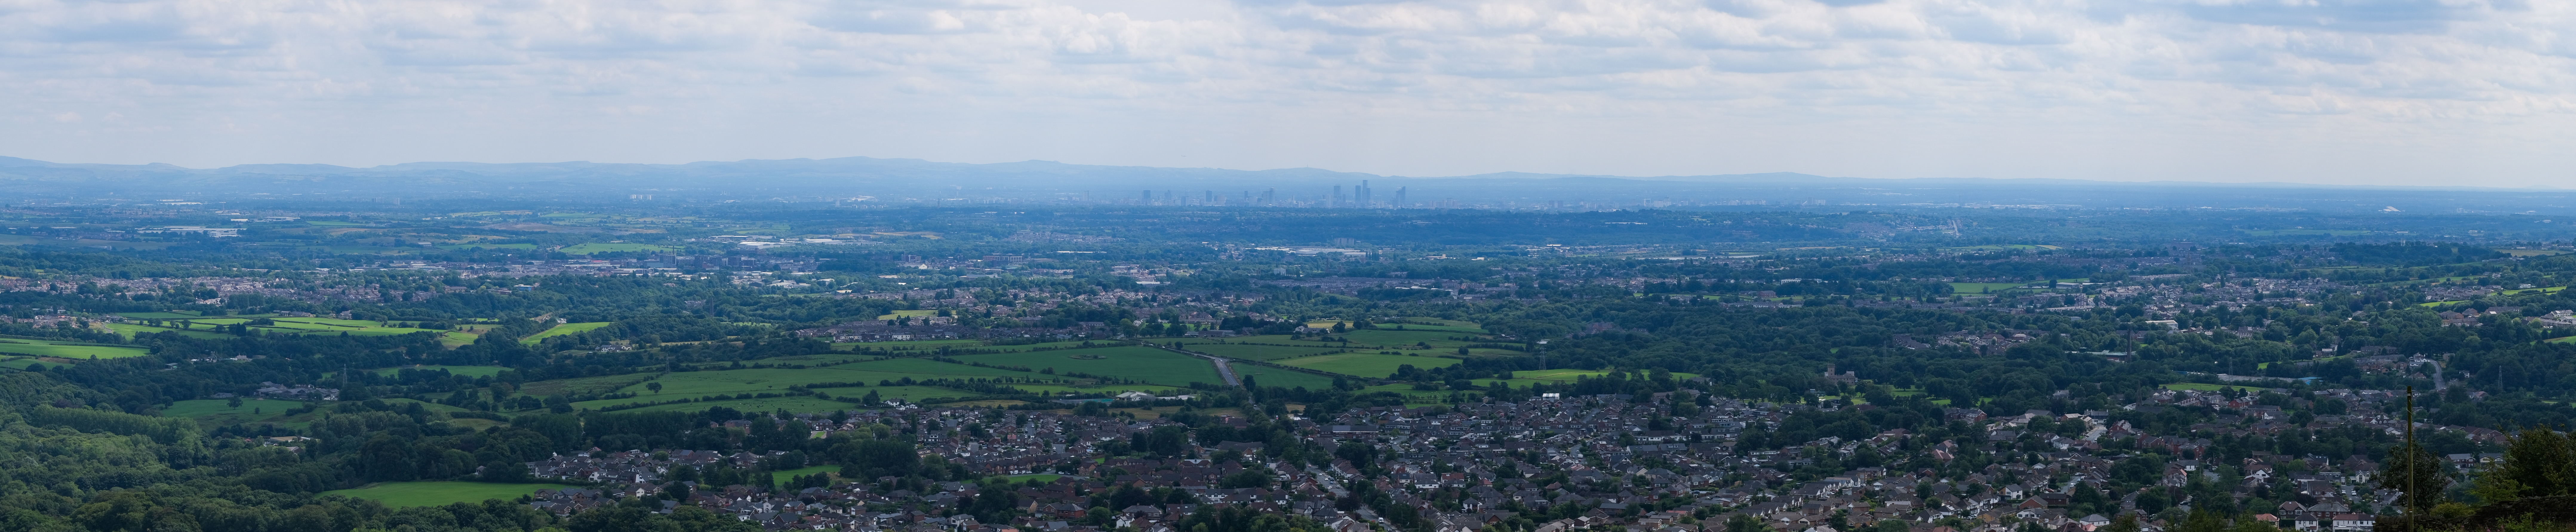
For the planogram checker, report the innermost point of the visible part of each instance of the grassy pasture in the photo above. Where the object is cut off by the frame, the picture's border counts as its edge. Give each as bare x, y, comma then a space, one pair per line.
409, 494
810, 360
564, 329
129, 330
1371, 365
689, 384
24, 362
584, 384
1982, 288
1130, 362
1258, 352
2543, 290
216, 412
1445, 322
911, 314
1406, 338
185, 315
1269, 377
69, 350
782, 476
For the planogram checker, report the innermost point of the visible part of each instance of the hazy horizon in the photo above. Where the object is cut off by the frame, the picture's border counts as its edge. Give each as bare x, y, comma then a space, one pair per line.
2342, 92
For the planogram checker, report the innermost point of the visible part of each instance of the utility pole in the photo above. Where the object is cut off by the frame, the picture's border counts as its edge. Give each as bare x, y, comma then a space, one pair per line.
2410, 460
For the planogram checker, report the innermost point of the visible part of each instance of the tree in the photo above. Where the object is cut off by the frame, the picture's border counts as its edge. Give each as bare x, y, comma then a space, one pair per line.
2418, 474
2537, 463
2124, 523
1746, 523
656, 387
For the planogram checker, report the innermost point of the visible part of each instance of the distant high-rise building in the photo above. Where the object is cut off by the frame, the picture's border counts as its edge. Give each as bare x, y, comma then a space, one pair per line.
1337, 196
1360, 195
1149, 196
1399, 197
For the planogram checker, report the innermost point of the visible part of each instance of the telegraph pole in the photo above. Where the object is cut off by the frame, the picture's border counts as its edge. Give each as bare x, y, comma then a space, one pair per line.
2411, 495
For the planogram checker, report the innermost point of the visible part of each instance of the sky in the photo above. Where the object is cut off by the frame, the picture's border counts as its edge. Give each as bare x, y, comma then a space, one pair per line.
2450, 92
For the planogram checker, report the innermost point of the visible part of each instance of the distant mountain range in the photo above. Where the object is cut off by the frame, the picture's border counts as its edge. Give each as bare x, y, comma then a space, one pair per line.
1047, 179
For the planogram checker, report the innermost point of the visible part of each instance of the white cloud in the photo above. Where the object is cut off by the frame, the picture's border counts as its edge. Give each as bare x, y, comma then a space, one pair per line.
2314, 90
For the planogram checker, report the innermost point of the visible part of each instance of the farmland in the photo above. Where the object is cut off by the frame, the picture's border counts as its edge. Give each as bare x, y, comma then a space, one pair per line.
215, 411
68, 350
1259, 352
564, 329
409, 494
1128, 362
1275, 377
1371, 365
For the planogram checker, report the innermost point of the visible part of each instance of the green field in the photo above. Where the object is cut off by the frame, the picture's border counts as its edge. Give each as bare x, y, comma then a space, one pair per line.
197, 327
1269, 377
689, 384
2198, 386
1442, 322
1390, 338
782, 476
469, 371
335, 326
215, 412
597, 247
601, 384
69, 350
1258, 352
130, 332
1128, 362
24, 362
911, 314
1982, 288
409, 494
564, 329
1371, 365
923, 368
159, 315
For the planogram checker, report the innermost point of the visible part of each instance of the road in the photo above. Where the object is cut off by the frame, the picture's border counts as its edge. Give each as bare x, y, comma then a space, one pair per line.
1222, 369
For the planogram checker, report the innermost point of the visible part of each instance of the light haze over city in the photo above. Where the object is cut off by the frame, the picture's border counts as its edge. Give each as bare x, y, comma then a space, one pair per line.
2331, 92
